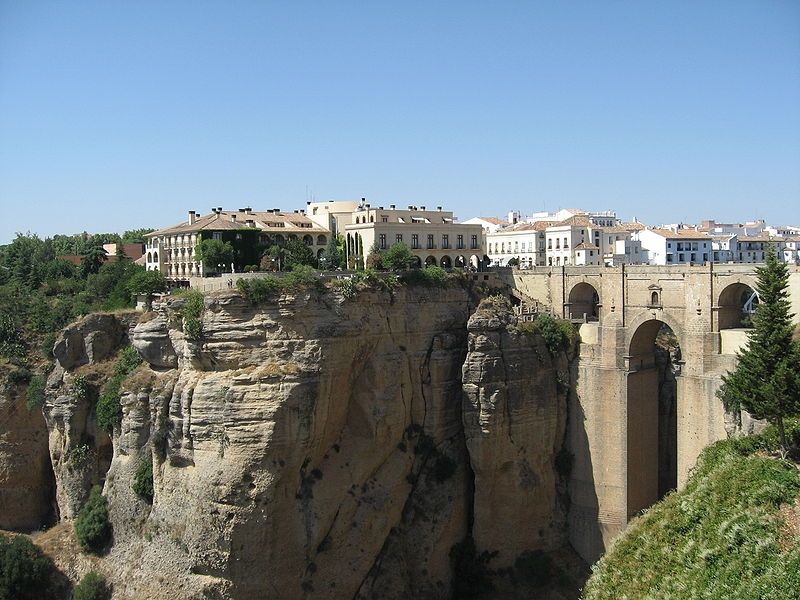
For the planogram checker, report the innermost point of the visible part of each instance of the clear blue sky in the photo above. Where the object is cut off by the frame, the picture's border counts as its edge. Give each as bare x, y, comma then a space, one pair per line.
116, 115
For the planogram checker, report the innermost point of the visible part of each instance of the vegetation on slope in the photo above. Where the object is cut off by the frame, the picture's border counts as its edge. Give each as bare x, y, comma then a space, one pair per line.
728, 534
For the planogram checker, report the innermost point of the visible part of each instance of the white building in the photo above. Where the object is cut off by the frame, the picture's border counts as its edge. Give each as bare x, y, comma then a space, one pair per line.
489, 224
675, 247
523, 241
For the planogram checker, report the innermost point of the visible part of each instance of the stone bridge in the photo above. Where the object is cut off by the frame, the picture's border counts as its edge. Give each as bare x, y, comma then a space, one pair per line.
640, 416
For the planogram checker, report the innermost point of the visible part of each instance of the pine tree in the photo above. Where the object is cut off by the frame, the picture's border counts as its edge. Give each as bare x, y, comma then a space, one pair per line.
766, 381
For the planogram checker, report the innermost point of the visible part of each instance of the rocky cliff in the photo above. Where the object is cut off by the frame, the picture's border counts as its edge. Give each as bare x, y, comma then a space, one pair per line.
318, 446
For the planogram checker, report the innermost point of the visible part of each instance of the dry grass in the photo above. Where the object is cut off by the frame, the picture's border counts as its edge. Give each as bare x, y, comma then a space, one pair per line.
141, 379
148, 316
789, 532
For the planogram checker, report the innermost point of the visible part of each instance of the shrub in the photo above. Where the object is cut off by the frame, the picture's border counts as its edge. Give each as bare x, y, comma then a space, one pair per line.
259, 290
191, 312
302, 277
92, 527
80, 387
34, 397
19, 376
10, 337
48, 341
109, 410
143, 480
429, 276
91, 587
558, 334
24, 570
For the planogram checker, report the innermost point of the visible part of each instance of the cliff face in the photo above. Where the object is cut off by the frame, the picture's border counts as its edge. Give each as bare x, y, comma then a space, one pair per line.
514, 420
322, 447
26, 480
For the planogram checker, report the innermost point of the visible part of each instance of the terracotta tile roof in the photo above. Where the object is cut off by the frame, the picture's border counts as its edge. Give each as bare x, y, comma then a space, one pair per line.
761, 238
687, 234
615, 229
632, 226
578, 221
494, 220
292, 222
586, 246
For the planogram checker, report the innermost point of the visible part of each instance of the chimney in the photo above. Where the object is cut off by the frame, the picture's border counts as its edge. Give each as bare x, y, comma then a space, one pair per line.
392, 206
439, 208
219, 209
422, 208
250, 223
192, 217
233, 217
410, 207
241, 210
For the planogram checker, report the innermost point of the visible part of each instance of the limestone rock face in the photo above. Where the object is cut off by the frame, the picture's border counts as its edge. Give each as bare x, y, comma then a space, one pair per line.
514, 423
92, 339
80, 453
310, 447
26, 479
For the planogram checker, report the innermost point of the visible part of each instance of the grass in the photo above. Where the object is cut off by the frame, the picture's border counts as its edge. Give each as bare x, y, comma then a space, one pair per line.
719, 537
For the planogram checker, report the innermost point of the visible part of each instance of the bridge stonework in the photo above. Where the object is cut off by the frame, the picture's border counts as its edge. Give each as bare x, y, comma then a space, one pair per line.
613, 429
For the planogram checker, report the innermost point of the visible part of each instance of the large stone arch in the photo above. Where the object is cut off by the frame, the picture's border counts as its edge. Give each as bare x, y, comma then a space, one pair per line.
430, 261
445, 262
651, 441
730, 304
583, 301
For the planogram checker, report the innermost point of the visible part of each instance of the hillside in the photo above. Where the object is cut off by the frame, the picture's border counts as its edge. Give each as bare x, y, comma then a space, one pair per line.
732, 532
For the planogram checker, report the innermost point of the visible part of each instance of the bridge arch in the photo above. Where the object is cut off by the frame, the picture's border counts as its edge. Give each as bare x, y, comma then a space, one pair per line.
584, 301
654, 363
735, 303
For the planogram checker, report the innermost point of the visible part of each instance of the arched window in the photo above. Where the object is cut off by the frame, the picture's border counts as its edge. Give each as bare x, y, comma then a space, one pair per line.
654, 299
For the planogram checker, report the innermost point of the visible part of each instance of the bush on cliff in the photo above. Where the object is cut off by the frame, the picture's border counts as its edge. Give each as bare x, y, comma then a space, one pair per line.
558, 334
191, 312
725, 535
91, 587
109, 410
143, 480
92, 527
24, 570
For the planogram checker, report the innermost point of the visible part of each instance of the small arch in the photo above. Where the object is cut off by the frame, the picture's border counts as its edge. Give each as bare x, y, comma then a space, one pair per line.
321, 240
430, 261
292, 237
736, 305
655, 300
461, 261
149, 257
155, 257
584, 302
446, 263
308, 240
320, 252
279, 239
474, 261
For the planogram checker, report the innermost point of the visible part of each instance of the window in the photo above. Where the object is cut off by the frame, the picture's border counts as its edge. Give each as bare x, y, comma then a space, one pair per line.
474, 241
460, 242
382, 241
654, 299
217, 235
398, 239
431, 244
705, 256
415, 241
693, 257
566, 243
384, 219
669, 258
558, 244
680, 257
445, 241
549, 244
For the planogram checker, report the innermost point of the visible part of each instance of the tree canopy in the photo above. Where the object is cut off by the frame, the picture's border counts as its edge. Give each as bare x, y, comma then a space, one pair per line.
398, 257
766, 381
214, 252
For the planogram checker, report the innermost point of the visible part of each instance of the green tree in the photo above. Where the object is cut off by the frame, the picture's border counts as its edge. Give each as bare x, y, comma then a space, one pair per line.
92, 527
92, 259
766, 382
92, 587
331, 258
298, 253
24, 570
398, 257
136, 236
213, 253
147, 282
